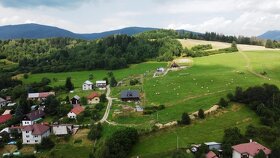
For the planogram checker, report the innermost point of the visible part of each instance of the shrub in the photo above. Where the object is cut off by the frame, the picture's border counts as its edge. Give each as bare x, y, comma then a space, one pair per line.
201, 114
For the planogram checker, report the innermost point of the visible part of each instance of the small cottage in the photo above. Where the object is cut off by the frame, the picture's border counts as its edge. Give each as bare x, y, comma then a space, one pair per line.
93, 98
174, 65
75, 100
160, 70
75, 112
87, 85
130, 95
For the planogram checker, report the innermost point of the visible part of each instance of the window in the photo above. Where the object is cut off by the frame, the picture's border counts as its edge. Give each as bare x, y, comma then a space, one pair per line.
26, 131
36, 141
27, 141
35, 136
27, 136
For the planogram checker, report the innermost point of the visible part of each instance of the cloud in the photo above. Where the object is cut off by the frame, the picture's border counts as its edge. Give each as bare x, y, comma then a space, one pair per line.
40, 3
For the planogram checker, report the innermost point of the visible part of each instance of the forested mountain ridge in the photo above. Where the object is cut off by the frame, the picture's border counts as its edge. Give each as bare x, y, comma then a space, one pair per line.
37, 31
273, 35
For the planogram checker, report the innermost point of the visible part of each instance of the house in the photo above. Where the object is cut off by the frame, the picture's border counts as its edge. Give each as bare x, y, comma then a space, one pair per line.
211, 154
93, 98
130, 95
213, 145
249, 150
33, 117
87, 85
160, 70
75, 100
62, 129
101, 84
174, 65
33, 134
39, 96
139, 108
5, 118
3, 102
75, 112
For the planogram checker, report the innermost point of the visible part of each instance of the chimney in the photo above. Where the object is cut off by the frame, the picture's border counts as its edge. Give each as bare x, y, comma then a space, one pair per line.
251, 140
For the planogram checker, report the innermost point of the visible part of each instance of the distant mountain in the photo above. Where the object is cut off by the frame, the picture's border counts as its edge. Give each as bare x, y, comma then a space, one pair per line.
35, 31
273, 35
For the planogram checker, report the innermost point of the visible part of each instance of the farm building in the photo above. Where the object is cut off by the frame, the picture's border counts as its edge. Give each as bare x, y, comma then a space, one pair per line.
33, 134
130, 95
249, 150
75, 112
62, 129
101, 84
33, 117
39, 96
87, 85
75, 100
93, 98
3, 102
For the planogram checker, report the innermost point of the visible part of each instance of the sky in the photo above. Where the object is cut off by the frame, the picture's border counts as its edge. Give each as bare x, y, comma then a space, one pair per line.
230, 17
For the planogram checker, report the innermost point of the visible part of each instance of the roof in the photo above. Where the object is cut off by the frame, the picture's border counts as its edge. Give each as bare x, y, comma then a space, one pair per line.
174, 65
93, 95
88, 82
40, 95
251, 148
60, 129
76, 97
127, 94
5, 118
37, 129
101, 82
33, 115
212, 143
7, 112
77, 110
2, 100
211, 154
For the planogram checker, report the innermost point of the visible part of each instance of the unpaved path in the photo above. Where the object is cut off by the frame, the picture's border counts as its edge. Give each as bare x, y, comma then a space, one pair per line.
110, 100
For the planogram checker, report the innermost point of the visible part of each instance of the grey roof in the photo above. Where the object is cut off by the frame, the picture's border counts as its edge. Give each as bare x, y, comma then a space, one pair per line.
2, 100
127, 94
77, 97
34, 115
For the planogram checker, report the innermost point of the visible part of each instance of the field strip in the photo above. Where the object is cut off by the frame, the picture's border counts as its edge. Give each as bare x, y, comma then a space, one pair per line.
250, 69
199, 96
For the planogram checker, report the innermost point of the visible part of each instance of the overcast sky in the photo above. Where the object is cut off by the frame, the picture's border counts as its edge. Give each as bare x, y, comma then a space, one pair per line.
235, 17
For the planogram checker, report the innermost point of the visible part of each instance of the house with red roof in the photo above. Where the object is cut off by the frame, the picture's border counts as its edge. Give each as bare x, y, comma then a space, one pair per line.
5, 118
75, 112
93, 98
33, 134
249, 150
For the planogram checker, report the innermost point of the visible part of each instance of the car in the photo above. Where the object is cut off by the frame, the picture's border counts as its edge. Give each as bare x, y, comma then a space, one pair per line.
12, 143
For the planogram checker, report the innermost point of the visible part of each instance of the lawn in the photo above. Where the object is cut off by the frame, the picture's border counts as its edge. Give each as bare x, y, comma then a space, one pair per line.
210, 129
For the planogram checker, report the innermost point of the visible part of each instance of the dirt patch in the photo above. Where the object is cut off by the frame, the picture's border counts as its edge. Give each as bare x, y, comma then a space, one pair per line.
183, 61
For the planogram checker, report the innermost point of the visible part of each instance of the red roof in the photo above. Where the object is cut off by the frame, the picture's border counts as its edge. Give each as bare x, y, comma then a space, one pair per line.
211, 154
93, 95
77, 110
5, 118
45, 94
251, 148
37, 129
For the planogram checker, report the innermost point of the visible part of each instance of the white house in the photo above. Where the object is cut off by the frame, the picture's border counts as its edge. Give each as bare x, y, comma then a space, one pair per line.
33, 134
3, 102
62, 129
249, 150
75, 112
101, 84
160, 70
87, 85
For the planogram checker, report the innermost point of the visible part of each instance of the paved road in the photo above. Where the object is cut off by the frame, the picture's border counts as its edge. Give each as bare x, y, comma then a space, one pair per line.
110, 100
